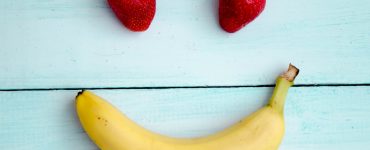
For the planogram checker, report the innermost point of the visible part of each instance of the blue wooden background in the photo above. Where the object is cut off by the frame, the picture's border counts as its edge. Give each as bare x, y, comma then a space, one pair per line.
51, 49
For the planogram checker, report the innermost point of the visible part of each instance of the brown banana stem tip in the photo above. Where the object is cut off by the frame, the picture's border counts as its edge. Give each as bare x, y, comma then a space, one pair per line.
291, 73
79, 93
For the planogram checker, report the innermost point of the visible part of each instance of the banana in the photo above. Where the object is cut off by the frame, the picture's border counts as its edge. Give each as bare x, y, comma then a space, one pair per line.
112, 130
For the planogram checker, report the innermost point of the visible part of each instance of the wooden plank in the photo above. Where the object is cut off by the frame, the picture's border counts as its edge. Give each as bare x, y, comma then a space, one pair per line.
323, 118
64, 44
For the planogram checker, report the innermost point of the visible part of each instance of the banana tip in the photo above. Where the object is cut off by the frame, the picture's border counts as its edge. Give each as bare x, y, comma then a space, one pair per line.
80, 93
291, 73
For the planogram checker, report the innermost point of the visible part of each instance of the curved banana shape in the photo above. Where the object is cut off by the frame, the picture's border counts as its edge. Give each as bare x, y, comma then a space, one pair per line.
112, 130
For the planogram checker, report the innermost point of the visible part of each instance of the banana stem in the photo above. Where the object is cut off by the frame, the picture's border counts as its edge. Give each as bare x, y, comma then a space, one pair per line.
283, 83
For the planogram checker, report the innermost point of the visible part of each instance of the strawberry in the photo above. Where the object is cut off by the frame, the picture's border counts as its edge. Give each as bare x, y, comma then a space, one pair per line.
136, 15
235, 14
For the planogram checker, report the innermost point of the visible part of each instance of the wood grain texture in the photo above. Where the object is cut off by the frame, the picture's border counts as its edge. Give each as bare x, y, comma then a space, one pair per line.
322, 118
64, 44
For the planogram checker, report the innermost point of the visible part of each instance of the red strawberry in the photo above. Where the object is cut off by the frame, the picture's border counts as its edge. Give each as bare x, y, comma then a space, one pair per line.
235, 14
136, 15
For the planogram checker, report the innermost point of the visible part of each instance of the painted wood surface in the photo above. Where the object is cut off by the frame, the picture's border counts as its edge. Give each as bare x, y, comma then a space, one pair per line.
80, 44
74, 44
321, 118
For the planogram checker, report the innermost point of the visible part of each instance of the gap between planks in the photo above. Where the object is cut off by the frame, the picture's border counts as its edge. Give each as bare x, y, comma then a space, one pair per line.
183, 87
